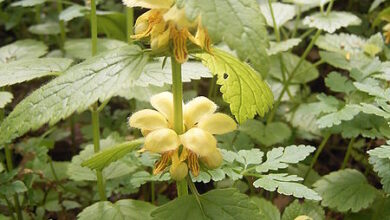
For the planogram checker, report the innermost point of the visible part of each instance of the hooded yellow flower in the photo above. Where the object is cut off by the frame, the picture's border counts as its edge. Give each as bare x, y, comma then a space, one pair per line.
165, 22
200, 124
386, 33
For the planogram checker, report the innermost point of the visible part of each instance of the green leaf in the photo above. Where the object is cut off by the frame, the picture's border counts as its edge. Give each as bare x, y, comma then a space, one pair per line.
381, 165
22, 49
332, 21
345, 190
338, 83
141, 93
317, 3
373, 90
341, 43
374, 45
305, 119
28, 69
280, 158
242, 87
375, 4
286, 184
28, 3
283, 13
225, 19
306, 72
267, 210
125, 209
81, 48
98, 78
345, 114
48, 28
382, 152
215, 204
12, 188
307, 208
139, 178
358, 61
112, 24
117, 169
235, 141
267, 135
5, 98
277, 47
72, 12
106, 157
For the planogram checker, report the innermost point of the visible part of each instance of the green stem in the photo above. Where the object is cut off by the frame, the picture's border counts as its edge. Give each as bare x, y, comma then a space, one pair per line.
62, 27
93, 27
129, 23
297, 20
291, 76
330, 6
348, 154
213, 87
96, 148
152, 192
177, 90
276, 28
316, 155
10, 207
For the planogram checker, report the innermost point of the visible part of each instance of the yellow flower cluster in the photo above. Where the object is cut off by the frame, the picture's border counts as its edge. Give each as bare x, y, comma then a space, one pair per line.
198, 143
165, 22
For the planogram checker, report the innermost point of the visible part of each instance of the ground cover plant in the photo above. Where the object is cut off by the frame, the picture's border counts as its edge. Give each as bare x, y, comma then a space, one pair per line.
195, 109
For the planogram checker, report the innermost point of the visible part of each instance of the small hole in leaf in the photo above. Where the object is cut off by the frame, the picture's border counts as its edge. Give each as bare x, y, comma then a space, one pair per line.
225, 75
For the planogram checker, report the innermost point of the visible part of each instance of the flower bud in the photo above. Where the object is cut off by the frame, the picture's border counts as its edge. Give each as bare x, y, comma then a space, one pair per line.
213, 160
179, 172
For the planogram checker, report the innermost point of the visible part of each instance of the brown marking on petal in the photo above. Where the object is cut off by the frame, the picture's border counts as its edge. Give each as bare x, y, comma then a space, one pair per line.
180, 44
193, 163
162, 163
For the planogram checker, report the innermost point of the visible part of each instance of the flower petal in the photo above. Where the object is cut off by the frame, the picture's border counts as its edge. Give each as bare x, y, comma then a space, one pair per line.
149, 3
217, 123
196, 109
161, 140
213, 160
148, 120
199, 141
179, 18
163, 102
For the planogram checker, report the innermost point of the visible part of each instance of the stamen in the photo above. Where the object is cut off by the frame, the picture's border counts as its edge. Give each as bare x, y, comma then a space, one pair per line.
193, 163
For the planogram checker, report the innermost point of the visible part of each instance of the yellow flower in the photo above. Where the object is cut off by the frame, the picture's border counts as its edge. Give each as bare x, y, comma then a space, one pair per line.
386, 32
200, 124
165, 22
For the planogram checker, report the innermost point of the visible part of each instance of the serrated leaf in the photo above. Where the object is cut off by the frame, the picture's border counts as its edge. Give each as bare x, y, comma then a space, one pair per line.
125, 209
81, 48
98, 78
304, 118
286, 184
28, 69
72, 12
267, 135
106, 157
307, 208
373, 90
48, 28
277, 47
283, 13
22, 49
332, 21
224, 20
212, 205
12, 188
119, 168
28, 3
338, 83
341, 43
305, 73
279, 158
358, 61
345, 114
139, 178
382, 167
374, 45
382, 152
267, 210
345, 190
241, 86
5, 98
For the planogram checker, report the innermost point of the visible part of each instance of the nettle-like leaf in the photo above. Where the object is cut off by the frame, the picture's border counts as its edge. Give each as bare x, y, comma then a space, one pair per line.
338, 83
307, 208
98, 78
72, 12
332, 21
286, 184
267, 135
268, 211
27, 3
380, 160
120, 210
224, 20
215, 204
345, 190
283, 13
22, 49
280, 158
5, 98
116, 169
277, 47
305, 73
341, 43
48, 28
347, 113
242, 87
28, 69
81, 48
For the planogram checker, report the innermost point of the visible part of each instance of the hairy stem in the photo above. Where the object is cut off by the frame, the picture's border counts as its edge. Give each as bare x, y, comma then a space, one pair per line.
348, 154
129, 23
316, 155
177, 90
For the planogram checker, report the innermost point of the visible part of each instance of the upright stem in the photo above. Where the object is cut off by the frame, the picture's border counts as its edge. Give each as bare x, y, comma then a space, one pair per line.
62, 26
348, 154
177, 90
129, 24
316, 155
93, 27
276, 28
